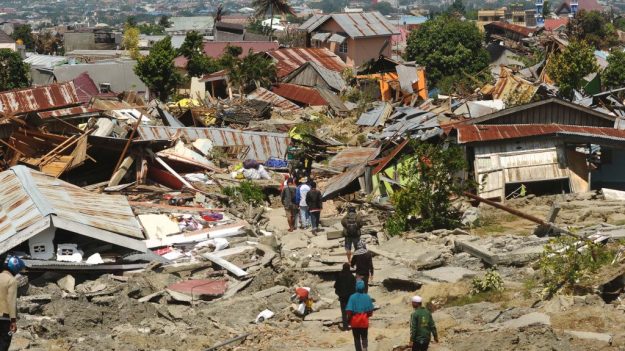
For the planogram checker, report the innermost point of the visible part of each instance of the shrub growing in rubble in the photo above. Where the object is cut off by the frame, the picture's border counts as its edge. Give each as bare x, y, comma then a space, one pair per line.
566, 261
247, 192
491, 282
430, 181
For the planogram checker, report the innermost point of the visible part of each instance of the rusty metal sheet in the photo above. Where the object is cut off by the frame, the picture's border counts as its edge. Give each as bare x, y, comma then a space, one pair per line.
509, 27
67, 112
28, 196
478, 133
200, 287
383, 162
38, 99
275, 100
263, 145
297, 93
342, 181
353, 156
289, 59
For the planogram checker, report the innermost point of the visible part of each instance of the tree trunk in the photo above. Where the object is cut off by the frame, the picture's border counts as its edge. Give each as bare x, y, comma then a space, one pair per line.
271, 21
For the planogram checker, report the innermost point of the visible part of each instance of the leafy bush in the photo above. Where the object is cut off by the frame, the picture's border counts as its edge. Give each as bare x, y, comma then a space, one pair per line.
430, 177
567, 260
246, 192
491, 282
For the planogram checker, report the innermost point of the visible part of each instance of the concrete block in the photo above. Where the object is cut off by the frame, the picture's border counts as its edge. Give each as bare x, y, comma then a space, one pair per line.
448, 274
67, 283
600, 337
527, 320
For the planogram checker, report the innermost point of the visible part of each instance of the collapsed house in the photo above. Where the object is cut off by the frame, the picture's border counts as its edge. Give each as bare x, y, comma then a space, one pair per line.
551, 146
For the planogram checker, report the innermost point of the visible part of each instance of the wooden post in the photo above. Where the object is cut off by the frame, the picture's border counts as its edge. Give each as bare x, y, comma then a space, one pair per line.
121, 171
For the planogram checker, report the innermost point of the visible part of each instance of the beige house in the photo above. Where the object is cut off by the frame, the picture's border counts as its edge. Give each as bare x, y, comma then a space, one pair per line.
6, 42
354, 37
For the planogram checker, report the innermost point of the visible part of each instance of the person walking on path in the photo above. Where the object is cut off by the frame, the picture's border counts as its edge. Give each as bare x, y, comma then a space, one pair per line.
363, 261
8, 300
344, 287
302, 191
314, 202
421, 326
287, 198
352, 223
359, 308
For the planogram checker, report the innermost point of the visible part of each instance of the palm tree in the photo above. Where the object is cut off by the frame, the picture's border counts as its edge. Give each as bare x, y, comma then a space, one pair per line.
271, 6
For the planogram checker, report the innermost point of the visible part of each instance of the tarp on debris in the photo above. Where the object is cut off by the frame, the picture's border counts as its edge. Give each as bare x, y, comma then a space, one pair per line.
263, 145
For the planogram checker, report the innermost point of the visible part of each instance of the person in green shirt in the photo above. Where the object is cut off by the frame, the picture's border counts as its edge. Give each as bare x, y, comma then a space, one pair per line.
421, 326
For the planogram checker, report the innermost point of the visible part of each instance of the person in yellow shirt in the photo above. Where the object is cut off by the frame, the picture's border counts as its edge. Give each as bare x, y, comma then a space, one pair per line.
8, 300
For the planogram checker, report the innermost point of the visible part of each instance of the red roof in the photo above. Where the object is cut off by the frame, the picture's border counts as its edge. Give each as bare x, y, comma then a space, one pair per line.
86, 88
524, 31
215, 49
67, 112
289, 59
38, 99
477, 133
555, 23
304, 95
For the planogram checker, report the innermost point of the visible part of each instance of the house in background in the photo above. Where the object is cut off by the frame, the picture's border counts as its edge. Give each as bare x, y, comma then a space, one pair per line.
92, 39
183, 25
6, 42
568, 8
356, 38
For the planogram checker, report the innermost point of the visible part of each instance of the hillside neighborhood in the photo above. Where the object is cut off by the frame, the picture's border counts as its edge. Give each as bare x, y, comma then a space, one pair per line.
287, 175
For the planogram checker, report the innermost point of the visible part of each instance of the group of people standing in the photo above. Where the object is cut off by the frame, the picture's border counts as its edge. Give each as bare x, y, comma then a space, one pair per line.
303, 203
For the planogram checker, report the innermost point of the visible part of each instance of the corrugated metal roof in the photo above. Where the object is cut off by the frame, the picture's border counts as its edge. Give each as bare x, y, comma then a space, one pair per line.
304, 95
383, 162
337, 38
356, 25
28, 196
46, 61
289, 59
67, 112
38, 99
353, 156
277, 101
376, 116
523, 31
322, 37
263, 145
305, 75
477, 133
407, 75
341, 181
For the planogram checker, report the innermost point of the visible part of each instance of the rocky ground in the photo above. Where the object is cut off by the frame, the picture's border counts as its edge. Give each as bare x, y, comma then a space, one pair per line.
118, 312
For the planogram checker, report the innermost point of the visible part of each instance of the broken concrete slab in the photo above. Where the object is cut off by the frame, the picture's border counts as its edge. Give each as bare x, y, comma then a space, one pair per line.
329, 315
225, 264
527, 320
323, 242
200, 288
448, 274
152, 296
600, 337
611, 194
269, 292
67, 283
294, 241
498, 253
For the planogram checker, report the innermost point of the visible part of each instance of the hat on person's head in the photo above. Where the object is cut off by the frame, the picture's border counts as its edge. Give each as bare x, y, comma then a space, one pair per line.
361, 245
303, 180
416, 299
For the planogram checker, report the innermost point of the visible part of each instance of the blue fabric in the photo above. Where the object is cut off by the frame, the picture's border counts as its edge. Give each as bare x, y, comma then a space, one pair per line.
359, 302
274, 162
298, 196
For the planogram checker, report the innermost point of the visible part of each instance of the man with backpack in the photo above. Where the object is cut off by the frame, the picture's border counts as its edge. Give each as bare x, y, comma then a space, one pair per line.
352, 223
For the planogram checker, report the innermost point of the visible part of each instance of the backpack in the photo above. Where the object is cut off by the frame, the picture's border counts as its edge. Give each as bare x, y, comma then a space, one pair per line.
352, 229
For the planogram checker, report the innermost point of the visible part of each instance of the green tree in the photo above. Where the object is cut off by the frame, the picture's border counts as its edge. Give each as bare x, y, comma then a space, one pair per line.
47, 43
569, 67
619, 23
383, 7
164, 22
457, 7
593, 27
272, 6
614, 75
430, 176
13, 72
130, 41
253, 70
546, 9
131, 21
24, 33
447, 46
157, 69
192, 45
151, 29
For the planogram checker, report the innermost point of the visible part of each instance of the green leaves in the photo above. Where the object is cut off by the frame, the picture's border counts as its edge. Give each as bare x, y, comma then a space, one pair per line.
446, 46
491, 281
157, 69
614, 75
569, 67
13, 72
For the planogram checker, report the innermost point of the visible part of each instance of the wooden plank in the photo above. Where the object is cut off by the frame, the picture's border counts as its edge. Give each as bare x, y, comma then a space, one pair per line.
121, 171
238, 272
